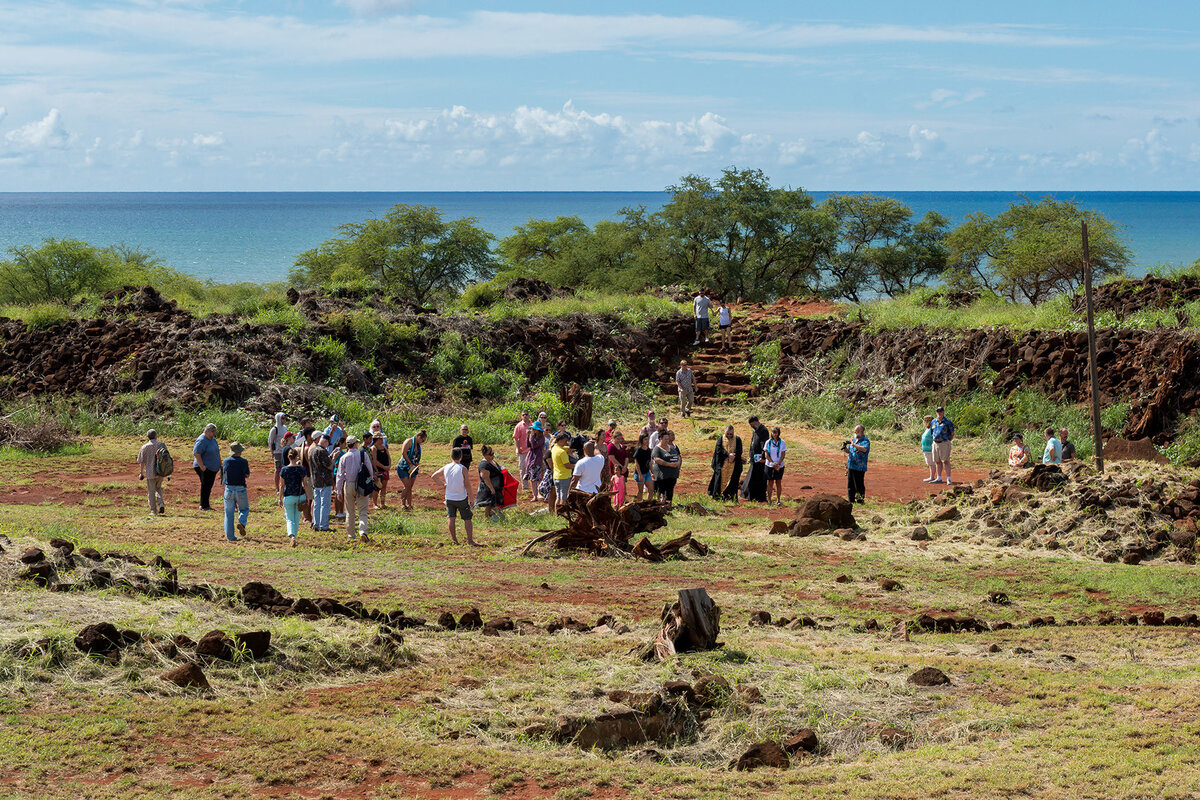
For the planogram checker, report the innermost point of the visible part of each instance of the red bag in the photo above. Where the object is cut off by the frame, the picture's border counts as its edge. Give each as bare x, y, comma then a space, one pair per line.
511, 486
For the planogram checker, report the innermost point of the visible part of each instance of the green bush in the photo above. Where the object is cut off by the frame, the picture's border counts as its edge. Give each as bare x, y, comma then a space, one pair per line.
764, 363
45, 315
480, 295
332, 350
280, 313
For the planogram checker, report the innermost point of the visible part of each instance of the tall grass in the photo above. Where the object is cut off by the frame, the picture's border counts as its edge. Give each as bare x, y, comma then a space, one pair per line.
631, 309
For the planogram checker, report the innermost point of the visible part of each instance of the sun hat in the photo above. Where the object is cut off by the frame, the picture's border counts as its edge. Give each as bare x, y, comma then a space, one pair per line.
236, 448
537, 426
351, 440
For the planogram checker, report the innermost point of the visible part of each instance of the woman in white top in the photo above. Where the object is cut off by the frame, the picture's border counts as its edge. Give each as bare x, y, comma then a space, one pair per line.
724, 323
774, 452
453, 477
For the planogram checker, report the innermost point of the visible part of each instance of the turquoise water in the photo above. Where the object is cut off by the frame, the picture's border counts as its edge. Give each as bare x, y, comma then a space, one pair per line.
256, 236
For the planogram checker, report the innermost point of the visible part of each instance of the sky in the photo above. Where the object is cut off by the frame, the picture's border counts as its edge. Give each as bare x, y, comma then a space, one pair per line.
192, 95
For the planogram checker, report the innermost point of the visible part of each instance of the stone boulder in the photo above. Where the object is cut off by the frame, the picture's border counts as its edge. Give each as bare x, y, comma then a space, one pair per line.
763, 754
929, 676
186, 676
834, 511
101, 638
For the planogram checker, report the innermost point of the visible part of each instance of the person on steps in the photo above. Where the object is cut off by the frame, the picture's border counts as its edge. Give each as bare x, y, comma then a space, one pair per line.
685, 382
701, 306
235, 472
292, 494
724, 323
727, 462
147, 458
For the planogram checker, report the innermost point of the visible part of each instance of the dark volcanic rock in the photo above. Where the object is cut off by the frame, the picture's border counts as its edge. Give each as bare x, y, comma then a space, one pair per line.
929, 676
763, 754
101, 638
187, 676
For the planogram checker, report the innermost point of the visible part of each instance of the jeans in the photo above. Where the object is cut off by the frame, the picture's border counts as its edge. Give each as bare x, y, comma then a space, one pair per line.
207, 477
291, 510
235, 497
321, 498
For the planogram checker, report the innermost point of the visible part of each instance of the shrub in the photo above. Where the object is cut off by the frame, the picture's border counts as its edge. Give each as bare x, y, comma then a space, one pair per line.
480, 295
764, 363
279, 313
45, 315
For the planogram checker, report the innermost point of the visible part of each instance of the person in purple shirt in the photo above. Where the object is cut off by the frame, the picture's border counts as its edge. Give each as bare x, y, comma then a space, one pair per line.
206, 460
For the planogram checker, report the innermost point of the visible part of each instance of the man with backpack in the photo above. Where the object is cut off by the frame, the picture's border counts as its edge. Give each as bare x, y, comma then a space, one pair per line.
154, 466
355, 485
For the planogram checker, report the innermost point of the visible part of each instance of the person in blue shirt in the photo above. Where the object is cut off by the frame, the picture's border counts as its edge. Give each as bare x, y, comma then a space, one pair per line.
1053, 452
234, 472
335, 432
206, 460
943, 434
857, 450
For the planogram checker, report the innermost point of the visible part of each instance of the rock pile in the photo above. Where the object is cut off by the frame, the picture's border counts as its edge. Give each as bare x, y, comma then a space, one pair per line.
1127, 297
821, 513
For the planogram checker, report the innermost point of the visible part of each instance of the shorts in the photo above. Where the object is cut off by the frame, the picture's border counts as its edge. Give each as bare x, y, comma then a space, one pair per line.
562, 487
278, 462
701, 323
725, 327
459, 507
941, 451
641, 477
775, 474
929, 459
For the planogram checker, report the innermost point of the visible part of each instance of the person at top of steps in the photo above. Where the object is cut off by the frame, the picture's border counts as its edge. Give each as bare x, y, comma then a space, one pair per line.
701, 305
724, 323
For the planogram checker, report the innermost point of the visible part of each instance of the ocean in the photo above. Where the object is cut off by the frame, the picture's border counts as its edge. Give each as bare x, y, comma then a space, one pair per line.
256, 236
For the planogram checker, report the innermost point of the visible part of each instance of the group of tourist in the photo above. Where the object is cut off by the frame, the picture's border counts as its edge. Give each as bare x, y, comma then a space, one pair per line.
702, 309
1059, 449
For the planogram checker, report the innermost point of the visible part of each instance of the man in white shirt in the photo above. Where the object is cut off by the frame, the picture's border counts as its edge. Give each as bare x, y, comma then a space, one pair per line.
453, 477
347, 488
586, 475
700, 307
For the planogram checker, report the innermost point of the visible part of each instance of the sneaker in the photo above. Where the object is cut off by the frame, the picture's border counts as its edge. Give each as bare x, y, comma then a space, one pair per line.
294, 542
231, 538
927, 480
364, 537
241, 529
162, 510
695, 343
949, 482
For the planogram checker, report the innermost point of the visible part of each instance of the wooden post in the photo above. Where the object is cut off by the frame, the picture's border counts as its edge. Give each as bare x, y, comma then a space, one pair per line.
1091, 327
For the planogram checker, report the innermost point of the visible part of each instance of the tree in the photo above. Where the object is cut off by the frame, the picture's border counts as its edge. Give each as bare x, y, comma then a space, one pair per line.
879, 250
57, 272
409, 251
1033, 251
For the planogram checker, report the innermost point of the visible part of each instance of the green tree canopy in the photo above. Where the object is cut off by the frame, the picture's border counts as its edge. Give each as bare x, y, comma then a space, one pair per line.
410, 251
62, 270
1033, 250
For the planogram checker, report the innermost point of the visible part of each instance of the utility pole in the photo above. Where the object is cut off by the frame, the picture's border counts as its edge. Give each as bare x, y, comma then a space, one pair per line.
1091, 325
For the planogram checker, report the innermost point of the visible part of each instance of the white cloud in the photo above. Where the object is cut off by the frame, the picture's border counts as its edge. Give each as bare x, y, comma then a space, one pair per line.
369, 8
924, 141
207, 139
46, 133
948, 98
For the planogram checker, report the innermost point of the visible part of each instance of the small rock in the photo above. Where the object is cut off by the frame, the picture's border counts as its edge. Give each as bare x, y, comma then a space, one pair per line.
920, 534
947, 514
779, 527
749, 695
446, 621
31, 555
216, 645
763, 754
804, 739
993, 648
471, 620
889, 585
103, 637
91, 553
843, 579
900, 631
63, 544
760, 617
712, 690
257, 643
186, 676
929, 676
999, 598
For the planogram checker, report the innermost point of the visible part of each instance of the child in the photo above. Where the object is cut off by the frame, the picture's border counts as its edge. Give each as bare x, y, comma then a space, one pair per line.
927, 450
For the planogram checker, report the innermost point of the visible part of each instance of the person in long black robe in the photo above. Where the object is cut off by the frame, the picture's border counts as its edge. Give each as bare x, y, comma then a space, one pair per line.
754, 487
720, 489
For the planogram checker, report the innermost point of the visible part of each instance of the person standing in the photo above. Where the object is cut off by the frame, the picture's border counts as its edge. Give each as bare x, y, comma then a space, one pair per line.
206, 461
293, 493
657, 434
409, 466
465, 443
685, 382
618, 467
701, 305
927, 450
453, 478
320, 466
490, 496
535, 457
588, 474
667, 462
727, 464
521, 441
1019, 455
642, 466
561, 468
148, 471
308, 443
1052, 454
275, 444
724, 323
651, 426
335, 431
755, 483
857, 451
234, 474
774, 452
355, 460
943, 435
383, 463
1068, 447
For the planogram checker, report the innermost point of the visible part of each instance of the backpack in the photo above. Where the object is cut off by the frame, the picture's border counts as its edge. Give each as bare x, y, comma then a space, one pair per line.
164, 465
366, 484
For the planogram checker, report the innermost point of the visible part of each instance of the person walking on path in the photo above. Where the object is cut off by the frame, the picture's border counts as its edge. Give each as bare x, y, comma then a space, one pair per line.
927, 450
618, 467
521, 441
235, 472
383, 463
1053, 452
775, 451
293, 493
465, 443
727, 464
642, 466
1068, 447
206, 460
754, 485
588, 474
943, 435
857, 450
275, 444
535, 457
724, 323
453, 477
667, 462
320, 465
355, 461
490, 496
409, 466
1019, 455
701, 305
335, 431
560, 469
148, 471
685, 382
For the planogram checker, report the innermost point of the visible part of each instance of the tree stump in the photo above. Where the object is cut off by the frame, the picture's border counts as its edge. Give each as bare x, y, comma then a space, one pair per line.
690, 625
580, 403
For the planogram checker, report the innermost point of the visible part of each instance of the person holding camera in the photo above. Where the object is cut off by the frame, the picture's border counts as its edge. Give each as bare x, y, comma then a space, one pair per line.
857, 450
943, 435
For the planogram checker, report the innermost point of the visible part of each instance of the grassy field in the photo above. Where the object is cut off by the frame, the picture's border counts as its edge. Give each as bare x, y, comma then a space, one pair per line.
459, 714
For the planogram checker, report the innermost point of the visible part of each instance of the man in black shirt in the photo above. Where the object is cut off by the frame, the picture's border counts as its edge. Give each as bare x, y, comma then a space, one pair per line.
464, 442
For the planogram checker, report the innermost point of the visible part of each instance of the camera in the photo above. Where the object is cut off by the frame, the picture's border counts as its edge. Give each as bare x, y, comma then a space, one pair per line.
846, 446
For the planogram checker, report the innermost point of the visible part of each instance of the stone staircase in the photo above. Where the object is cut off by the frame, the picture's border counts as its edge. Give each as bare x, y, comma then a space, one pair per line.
720, 376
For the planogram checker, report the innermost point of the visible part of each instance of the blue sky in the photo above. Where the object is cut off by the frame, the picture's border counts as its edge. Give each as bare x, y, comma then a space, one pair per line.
412, 95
